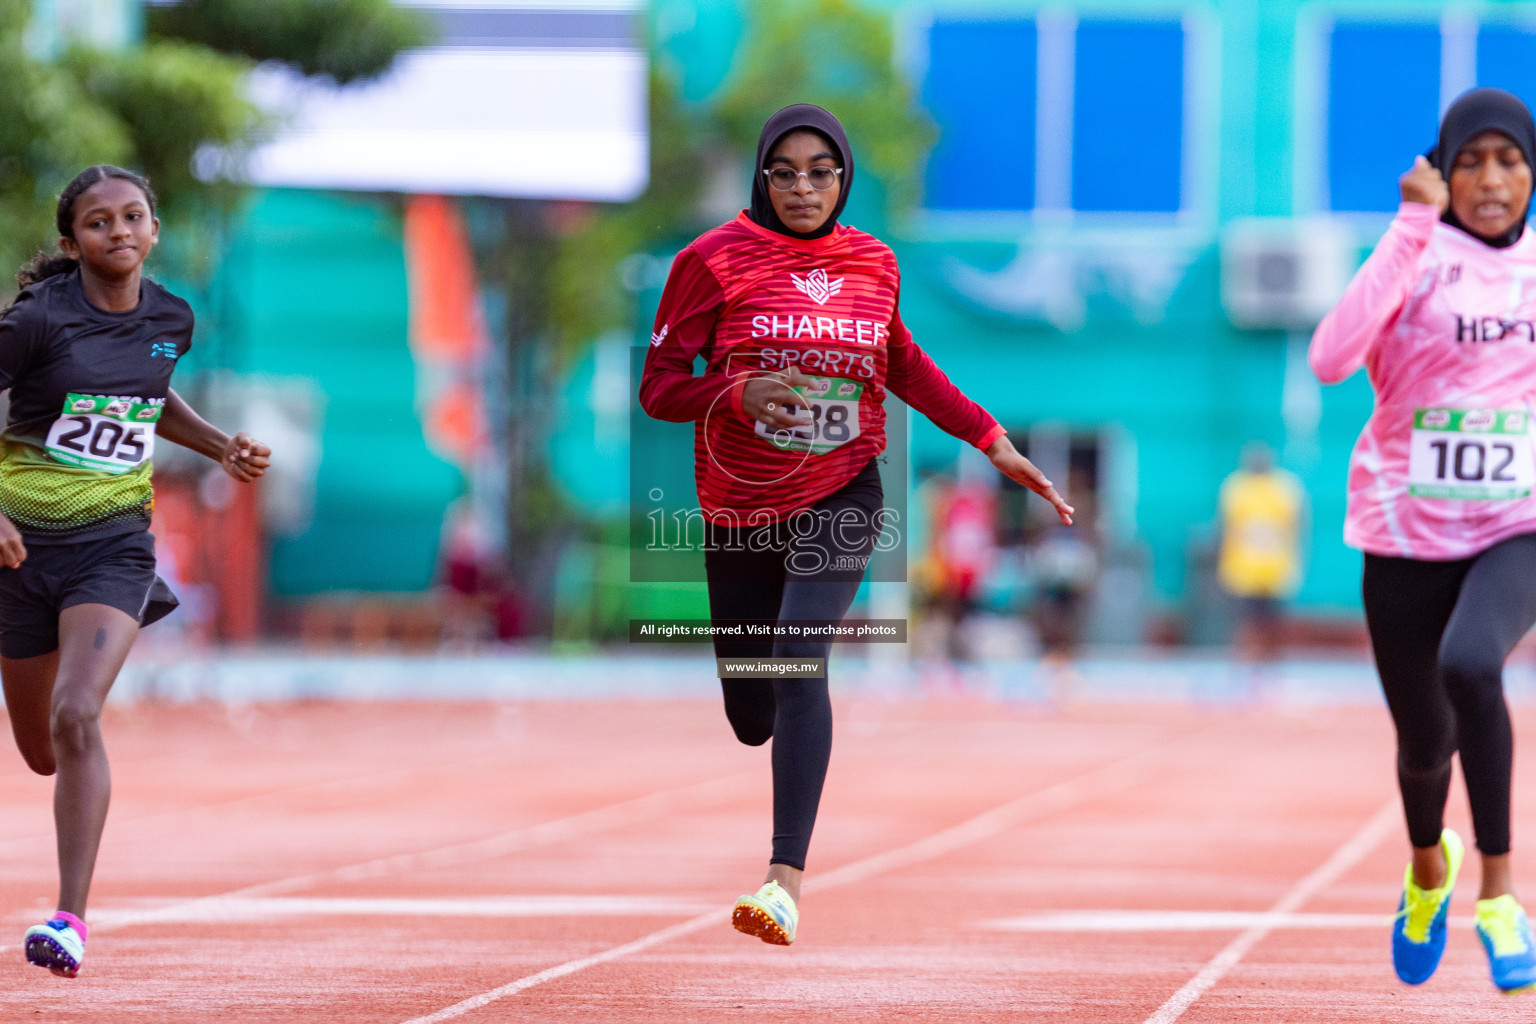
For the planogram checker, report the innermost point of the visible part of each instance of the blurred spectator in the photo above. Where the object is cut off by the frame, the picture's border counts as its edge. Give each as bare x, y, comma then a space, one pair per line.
966, 541
1263, 516
478, 604
964, 548
1066, 566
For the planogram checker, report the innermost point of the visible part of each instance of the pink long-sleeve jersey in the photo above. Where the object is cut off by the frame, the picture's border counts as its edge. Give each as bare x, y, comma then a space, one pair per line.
1445, 326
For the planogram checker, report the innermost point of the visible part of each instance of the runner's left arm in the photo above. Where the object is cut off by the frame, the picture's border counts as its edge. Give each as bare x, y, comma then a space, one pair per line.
914, 378
241, 456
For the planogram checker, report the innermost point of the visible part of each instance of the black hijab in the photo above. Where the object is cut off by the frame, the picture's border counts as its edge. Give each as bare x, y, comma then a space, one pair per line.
1474, 112
794, 118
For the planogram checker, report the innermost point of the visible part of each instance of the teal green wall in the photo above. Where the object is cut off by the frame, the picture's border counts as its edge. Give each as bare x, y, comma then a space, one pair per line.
1190, 388
313, 285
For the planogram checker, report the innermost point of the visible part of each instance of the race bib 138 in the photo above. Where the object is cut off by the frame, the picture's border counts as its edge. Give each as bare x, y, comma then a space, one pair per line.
834, 406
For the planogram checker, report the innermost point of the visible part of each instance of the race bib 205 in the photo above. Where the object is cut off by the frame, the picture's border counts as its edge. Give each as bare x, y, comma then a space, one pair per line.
104, 432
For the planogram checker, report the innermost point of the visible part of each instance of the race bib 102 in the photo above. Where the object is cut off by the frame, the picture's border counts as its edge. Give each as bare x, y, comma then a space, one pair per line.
1471, 454
834, 406
103, 432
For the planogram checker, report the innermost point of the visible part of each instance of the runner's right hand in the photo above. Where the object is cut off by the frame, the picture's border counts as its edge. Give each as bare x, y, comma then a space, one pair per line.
1423, 183
765, 398
12, 551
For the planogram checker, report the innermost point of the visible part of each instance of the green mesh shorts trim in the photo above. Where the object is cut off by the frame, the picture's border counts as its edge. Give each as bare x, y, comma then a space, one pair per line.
46, 498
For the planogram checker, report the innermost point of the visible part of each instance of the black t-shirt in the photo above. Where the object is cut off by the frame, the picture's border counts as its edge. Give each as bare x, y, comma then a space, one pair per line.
87, 388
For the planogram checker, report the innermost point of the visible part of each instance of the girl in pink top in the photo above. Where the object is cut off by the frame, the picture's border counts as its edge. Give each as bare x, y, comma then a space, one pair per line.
1443, 318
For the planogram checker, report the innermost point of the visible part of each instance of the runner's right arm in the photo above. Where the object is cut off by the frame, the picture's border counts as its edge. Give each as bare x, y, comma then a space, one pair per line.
1379, 288
685, 324
23, 329
23, 332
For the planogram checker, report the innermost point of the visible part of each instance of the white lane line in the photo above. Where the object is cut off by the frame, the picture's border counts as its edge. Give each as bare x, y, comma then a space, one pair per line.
1354, 850
267, 908
1189, 921
714, 917
29, 841
600, 819
1099, 782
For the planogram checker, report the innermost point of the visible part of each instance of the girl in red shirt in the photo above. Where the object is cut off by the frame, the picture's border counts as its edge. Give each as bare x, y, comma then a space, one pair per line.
796, 317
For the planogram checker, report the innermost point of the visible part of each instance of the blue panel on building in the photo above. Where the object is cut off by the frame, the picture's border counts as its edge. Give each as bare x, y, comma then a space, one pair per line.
1383, 109
1506, 59
1128, 116
980, 90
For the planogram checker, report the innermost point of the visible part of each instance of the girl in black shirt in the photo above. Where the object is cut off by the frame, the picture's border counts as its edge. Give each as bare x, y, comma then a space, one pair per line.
87, 351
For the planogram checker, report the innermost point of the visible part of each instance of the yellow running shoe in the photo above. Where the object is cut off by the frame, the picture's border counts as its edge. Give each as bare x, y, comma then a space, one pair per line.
769, 914
1506, 935
1418, 930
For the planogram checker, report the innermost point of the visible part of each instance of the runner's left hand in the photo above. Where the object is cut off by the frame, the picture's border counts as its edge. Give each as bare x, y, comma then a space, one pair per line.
1019, 469
245, 458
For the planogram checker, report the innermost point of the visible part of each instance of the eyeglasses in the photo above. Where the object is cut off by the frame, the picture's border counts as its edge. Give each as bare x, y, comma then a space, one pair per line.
784, 178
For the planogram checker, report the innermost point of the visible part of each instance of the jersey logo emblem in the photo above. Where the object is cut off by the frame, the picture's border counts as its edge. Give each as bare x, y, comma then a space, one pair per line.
817, 286
657, 337
82, 405
163, 348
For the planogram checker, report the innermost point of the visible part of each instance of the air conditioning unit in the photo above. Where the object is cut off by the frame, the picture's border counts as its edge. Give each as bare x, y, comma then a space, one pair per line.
1284, 273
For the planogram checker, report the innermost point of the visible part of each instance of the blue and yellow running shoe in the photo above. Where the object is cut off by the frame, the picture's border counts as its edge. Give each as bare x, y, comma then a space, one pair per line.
1418, 931
1506, 935
769, 914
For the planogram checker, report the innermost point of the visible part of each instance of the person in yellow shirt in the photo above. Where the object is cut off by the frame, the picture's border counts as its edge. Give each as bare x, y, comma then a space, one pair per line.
1263, 518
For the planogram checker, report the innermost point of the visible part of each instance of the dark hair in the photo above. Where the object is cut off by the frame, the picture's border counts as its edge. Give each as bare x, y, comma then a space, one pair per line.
45, 265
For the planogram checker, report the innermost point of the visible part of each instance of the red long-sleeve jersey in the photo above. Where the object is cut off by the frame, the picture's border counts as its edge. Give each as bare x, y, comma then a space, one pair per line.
753, 301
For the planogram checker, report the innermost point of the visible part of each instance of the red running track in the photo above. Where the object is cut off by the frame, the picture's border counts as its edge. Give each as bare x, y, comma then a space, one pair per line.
562, 861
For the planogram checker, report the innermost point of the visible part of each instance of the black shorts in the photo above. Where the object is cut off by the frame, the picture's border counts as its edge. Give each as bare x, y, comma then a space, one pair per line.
1261, 611
115, 571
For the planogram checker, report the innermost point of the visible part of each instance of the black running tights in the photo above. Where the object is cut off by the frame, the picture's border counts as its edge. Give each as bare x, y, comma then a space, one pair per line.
1440, 632
829, 552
